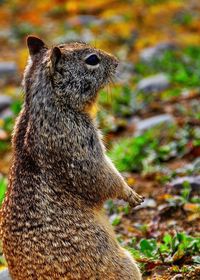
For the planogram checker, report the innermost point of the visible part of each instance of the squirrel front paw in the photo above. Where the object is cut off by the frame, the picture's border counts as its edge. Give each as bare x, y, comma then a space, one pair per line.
134, 199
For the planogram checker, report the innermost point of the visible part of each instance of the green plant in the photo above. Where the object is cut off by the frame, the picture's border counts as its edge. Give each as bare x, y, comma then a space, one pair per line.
8, 124
149, 150
129, 154
117, 101
116, 209
184, 18
182, 65
170, 250
116, 106
3, 187
184, 196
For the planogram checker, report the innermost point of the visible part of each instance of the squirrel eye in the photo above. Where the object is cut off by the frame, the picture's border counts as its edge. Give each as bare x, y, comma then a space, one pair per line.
92, 60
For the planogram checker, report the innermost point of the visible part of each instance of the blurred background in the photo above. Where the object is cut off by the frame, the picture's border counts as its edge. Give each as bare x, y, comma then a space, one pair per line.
150, 115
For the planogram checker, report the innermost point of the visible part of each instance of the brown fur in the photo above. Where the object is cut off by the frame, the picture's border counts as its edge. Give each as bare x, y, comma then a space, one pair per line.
52, 224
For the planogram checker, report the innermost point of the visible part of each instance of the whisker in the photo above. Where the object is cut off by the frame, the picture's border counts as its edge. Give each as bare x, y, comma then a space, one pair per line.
107, 93
112, 80
111, 94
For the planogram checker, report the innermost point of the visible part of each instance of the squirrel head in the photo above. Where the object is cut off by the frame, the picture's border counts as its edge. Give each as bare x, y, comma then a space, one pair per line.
73, 72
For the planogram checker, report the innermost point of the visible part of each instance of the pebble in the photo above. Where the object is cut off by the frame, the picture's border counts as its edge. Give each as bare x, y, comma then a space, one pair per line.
68, 37
85, 36
194, 182
149, 54
8, 68
143, 125
85, 20
148, 203
6, 113
5, 102
177, 277
155, 83
124, 73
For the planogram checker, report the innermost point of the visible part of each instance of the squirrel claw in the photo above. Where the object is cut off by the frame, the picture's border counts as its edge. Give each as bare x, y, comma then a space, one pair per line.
135, 199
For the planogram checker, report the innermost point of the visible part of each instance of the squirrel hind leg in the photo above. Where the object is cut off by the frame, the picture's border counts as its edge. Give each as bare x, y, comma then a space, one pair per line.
135, 272
120, 267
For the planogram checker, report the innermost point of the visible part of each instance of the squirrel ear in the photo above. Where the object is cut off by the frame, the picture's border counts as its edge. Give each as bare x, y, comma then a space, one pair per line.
34, 44
55, 56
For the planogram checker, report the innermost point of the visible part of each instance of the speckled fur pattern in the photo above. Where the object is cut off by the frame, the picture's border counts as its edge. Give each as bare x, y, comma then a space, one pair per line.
52, 223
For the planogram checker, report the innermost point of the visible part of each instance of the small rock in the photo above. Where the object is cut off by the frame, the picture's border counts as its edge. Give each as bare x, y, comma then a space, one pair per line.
143, 125
148, 54
190, 168
5, 102
7, 113
124, 73
68, 37
5, 33
8, 69
4, 275
85, 36
115, 19
177, 277
85, 20
154, 83
194, 182
148, 203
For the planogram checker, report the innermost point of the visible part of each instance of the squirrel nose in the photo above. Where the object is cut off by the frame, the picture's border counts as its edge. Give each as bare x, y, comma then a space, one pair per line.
116, 62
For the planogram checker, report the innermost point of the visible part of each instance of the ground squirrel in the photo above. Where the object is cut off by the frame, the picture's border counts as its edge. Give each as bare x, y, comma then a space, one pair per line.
52, 223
